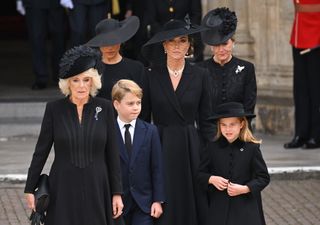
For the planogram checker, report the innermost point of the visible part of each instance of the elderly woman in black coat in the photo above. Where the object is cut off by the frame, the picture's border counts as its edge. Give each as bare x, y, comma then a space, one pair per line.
176, 96
85, 178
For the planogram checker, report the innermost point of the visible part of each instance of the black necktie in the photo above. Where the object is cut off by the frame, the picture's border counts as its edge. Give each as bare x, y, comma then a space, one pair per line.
127, 138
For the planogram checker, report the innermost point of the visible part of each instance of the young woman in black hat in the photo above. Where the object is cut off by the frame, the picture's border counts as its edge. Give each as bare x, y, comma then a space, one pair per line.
232, 170
110, 34
85, 178
232, 79
176, 96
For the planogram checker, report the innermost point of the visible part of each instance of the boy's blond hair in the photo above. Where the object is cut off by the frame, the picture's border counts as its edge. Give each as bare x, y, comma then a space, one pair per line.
245, 133
124, 86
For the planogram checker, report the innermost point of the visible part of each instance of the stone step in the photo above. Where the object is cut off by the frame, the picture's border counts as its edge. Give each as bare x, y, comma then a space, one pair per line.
20, 118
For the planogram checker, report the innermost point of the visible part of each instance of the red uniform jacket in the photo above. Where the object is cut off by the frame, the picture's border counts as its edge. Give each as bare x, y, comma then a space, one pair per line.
306, 27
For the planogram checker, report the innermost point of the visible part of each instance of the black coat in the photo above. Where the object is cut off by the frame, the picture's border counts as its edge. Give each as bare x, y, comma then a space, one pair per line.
159, 12
125, 69
229, 84
176, 114
86, 168
43, 4
241, 163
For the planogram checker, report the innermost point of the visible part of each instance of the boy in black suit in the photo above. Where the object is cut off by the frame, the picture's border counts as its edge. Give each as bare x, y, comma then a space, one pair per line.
140, 156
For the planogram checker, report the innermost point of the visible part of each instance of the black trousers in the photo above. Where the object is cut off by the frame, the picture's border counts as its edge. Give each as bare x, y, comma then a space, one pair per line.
83, 19
306, 90
39, 22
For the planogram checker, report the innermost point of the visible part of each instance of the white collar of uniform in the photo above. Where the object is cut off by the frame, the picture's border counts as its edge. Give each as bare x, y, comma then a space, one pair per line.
121, 123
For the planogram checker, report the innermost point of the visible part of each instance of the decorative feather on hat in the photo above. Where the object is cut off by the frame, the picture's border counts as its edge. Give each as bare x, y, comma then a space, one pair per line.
79, 59
222, 24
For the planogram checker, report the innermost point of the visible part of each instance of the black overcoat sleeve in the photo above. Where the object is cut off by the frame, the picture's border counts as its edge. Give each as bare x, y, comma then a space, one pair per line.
112, 153
250, 90
146, 104
42, 150
261, 177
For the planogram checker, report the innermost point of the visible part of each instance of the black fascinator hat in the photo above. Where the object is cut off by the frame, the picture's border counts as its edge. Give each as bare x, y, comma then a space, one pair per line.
79, 59
221, 24
230, 109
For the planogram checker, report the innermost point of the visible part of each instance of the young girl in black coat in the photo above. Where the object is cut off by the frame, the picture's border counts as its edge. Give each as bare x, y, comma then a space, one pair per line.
233, 171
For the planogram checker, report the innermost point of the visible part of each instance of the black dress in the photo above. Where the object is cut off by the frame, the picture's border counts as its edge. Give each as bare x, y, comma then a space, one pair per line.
233, 82
86, 169
241, 163
180, 117
125, 69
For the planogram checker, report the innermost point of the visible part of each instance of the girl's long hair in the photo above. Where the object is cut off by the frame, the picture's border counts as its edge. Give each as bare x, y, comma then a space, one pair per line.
245, 133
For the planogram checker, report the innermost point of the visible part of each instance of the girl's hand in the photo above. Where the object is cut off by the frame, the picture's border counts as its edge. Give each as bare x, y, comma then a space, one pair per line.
30, 201
219, 182
237, 189
117, 206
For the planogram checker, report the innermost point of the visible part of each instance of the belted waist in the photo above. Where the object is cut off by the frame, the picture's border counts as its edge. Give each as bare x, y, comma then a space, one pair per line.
307, 7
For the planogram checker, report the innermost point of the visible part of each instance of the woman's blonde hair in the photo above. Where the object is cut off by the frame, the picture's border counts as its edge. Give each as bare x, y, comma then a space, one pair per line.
123, 87
64, 84
245, 133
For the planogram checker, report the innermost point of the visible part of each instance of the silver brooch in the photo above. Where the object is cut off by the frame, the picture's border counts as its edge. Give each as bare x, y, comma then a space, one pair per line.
98, 109
241, 149
239, 69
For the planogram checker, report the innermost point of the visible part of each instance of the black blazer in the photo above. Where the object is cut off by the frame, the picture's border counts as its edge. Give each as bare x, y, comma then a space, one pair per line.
142, 173
158, 11
43, 4
241, 163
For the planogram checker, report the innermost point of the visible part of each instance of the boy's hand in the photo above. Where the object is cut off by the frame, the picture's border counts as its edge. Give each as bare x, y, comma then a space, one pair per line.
219, 182
117, 206
237, 189
156, 209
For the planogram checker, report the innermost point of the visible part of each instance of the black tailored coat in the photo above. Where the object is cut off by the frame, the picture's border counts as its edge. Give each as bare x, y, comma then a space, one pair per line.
142, 172
44, 4
241, 163
176, 114
125, 69
233, 82
86, 169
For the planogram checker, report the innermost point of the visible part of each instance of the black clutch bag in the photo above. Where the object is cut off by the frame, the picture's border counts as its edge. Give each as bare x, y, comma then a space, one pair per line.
42, 197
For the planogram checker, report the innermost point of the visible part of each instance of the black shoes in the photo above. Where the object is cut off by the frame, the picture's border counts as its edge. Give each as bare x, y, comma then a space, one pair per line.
296, 142
311, 144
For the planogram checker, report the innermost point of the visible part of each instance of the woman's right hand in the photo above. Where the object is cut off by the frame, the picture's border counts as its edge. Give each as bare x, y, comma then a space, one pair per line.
219, 182
30, 201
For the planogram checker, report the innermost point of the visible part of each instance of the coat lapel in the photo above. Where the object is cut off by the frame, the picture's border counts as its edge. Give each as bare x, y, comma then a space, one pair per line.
139, 135
185, 80
122, 147
164, 80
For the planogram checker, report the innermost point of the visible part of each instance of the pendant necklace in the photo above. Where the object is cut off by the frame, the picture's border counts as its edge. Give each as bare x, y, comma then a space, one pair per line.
175, 73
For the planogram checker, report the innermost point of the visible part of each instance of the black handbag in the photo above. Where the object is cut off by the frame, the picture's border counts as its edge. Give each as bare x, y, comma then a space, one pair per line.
42, 197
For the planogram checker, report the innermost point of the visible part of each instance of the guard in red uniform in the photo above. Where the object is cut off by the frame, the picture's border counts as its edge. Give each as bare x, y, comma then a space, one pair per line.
305, 41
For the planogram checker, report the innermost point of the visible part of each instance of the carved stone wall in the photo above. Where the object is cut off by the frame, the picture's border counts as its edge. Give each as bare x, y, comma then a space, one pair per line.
262, 37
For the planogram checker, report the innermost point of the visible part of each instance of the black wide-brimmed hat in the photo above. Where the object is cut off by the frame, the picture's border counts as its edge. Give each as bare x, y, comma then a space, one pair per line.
230, 109
222, 24
152, 50
113, 32
77, 60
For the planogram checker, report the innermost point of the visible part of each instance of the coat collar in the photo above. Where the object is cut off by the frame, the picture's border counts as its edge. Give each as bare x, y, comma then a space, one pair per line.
173, 96
223, 142
139, 134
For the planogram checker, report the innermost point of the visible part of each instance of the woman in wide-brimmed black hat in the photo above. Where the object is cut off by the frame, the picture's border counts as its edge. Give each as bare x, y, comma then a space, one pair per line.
232, 79
176, 96
110, 34
232, 170
85, 178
